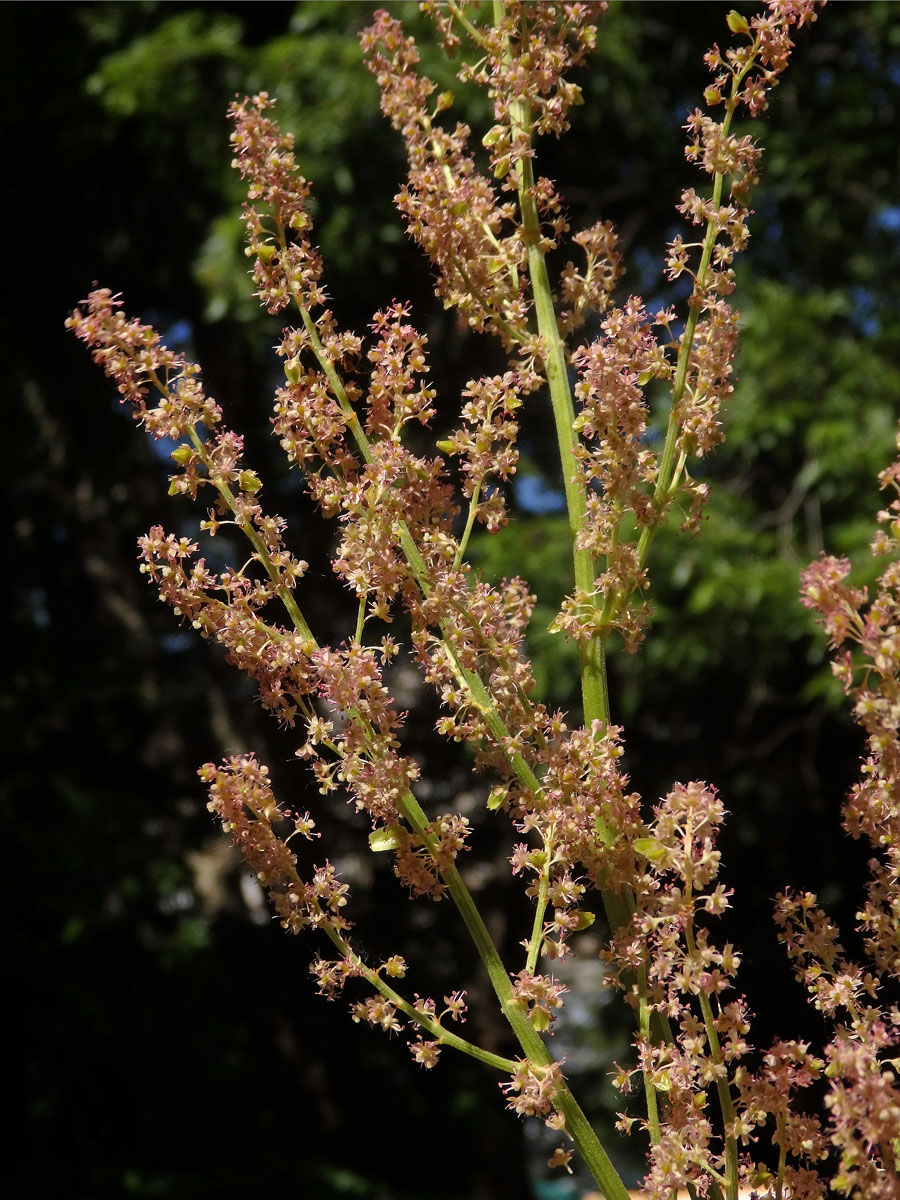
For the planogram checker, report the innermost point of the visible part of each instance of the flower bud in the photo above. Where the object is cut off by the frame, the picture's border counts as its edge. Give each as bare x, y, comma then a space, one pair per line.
650, 848
497, 798
386, 838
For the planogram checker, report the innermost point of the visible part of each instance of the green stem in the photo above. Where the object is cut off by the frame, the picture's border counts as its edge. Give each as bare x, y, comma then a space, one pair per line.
470, 524
595, 694
650, 1091
782, 1158
360, 619
540, 909
474, 34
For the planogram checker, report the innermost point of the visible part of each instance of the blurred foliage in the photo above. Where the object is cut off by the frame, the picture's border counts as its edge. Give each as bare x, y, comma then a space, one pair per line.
171, 1042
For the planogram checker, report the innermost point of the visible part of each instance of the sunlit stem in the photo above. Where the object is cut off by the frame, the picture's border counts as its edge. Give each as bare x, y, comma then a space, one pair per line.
360, 619
470, 525
595, 694
651, 1097
540, 908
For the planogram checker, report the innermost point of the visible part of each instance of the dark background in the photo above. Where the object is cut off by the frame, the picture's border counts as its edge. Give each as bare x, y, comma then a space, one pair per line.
166, 1040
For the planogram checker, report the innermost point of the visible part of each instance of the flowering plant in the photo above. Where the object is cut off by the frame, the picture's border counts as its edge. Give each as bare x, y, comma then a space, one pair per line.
719, 1115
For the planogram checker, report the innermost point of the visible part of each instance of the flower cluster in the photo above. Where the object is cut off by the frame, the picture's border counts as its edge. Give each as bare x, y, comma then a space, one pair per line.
135, 357
585, 821
404, 518
526, 59
705, 1046
617, 468
282, 267
743, 77
685, 973
542, 995
241, 797
451, 208
864, 1103
531, 1090
477, 241
752, 71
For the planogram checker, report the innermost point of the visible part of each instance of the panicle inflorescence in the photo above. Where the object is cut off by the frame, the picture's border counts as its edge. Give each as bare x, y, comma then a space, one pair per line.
864, 1102
404, 519
743, 75
527, 58
285, 261
241, 797
134, 357
452, 209
456, 212
708, 1051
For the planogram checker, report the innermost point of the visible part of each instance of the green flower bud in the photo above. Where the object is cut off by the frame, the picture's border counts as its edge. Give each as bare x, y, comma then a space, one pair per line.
496, 798
650, 848
384, 839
